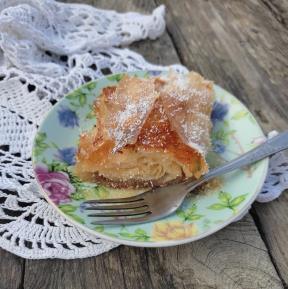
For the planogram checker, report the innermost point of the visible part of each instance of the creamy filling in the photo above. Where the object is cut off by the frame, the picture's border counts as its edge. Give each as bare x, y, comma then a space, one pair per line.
143, 166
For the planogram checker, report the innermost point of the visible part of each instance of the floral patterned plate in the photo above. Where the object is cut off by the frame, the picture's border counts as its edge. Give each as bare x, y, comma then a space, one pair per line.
235, 131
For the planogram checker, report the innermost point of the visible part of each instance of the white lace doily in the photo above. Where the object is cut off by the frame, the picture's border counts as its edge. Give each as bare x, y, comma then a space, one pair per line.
47, 49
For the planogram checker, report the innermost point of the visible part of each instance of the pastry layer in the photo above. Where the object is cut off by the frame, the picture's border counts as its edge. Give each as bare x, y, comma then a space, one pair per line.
151, 142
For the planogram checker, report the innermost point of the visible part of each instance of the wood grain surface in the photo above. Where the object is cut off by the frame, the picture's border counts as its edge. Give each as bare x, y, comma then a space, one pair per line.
235, 257
11, 271
241, 45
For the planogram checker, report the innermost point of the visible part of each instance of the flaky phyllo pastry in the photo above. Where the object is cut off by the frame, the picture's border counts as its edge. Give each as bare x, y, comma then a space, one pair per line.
149, 132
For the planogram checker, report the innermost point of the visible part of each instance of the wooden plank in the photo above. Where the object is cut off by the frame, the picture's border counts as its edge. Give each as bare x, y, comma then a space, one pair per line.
235, 257
279, 9
11, 270
242, 45
272, 220
100, 272
231, 258
239, 45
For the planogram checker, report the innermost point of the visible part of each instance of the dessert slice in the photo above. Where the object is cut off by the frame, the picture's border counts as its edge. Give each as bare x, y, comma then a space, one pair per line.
149, 132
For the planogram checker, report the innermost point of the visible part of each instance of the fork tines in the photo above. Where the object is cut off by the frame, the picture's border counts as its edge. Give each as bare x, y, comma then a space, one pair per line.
118, 211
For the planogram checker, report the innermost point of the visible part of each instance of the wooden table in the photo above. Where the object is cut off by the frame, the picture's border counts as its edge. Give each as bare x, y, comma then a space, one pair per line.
243, 46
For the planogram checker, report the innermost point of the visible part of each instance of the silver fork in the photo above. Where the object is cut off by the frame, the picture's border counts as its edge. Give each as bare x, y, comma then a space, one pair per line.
160, 202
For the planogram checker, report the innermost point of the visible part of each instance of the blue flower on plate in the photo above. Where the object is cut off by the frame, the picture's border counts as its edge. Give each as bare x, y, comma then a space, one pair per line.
219, 111
218, 146
67, 117
155, 72
67, 155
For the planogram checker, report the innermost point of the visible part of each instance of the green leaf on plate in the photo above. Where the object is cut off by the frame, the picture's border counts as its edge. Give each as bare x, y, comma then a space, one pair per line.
77, 196
116, 77
74, 95
142, 238
82, 99
180, 213
78, 98
140, 232
126, 234
238, 200
67, 208
192, 209
91, 85
41, 137
217, 207
224, 197
40, 145
193, 217
55, 166
189, 214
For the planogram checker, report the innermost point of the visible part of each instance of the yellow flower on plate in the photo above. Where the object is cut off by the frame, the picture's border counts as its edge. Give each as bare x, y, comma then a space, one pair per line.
173, 230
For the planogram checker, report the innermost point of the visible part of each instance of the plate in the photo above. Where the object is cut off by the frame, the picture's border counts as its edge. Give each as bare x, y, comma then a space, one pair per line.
235, 131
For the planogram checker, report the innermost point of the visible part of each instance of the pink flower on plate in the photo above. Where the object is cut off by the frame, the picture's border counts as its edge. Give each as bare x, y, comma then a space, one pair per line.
56, 183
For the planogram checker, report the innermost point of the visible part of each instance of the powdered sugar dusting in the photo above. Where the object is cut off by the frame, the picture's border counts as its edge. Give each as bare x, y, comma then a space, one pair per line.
134, 99
186, 101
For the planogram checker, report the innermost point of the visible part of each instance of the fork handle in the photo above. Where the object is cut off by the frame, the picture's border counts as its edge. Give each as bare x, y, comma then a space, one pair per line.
268, 148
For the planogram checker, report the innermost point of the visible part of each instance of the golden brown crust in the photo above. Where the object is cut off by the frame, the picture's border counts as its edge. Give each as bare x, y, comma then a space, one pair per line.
138, 144
129, 184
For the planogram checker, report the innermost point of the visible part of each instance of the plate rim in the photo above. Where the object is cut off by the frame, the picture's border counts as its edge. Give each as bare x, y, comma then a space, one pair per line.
154, 244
